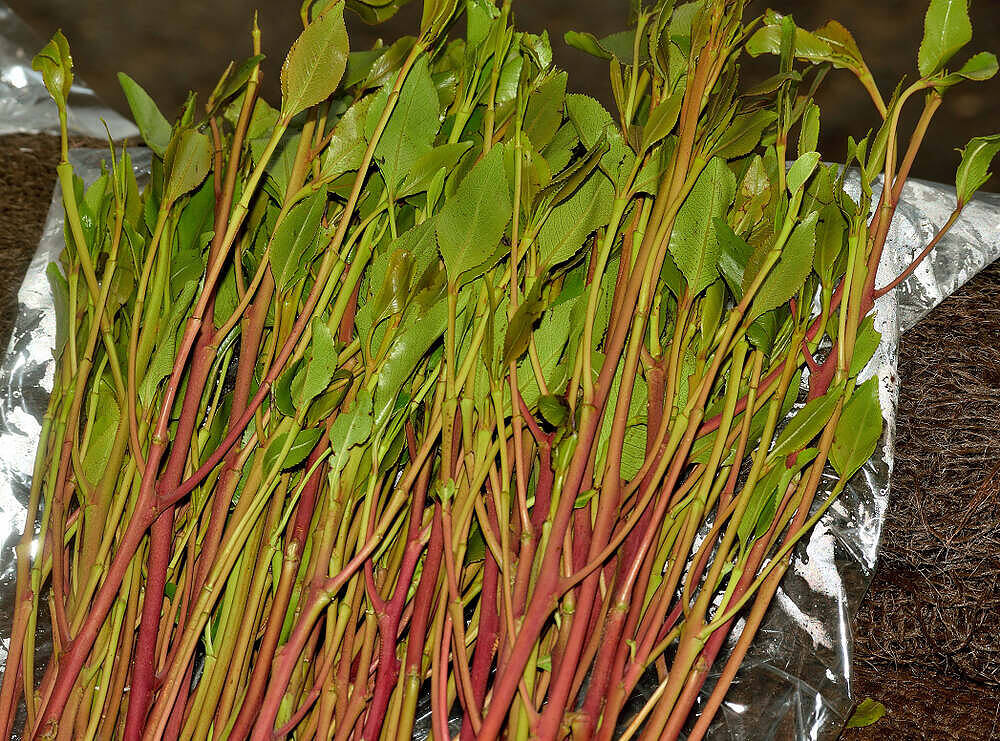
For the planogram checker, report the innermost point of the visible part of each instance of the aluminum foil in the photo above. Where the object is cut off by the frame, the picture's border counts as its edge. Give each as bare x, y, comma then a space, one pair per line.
25, 105
796, 682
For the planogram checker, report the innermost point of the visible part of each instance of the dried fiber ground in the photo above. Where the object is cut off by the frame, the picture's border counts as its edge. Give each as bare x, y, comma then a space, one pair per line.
928, 634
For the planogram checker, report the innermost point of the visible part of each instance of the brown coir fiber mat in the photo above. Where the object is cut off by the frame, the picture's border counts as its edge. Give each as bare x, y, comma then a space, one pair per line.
928, 634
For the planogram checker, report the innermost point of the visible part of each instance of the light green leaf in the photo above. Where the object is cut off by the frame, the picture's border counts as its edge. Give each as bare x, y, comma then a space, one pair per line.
801, 170
187, 163
473, 219
572, 221
809, 129
543, 114
316, 62
347, 146
301, 447
808, 422
56, 65
155, 129
162, 362
858, 430
868, 712
662, 119
419, 178
410, 131
592, 122
411, 343
973, 171
786, 278
351, 427
694, 242
321, 364
946, 30
104, 428
865, 345
743, 134
293, 238
979, 67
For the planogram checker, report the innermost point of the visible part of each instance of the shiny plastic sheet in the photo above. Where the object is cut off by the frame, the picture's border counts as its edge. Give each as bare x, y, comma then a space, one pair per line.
795, 683
25, 106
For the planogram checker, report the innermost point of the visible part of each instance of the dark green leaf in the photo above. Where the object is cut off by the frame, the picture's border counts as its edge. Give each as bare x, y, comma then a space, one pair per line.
831, 230
786, 278
554, 409
734, 255
282, 389
807, 423
155, 129
694, 242
946, 30
865, 345
315, 63
858, 430
473, 219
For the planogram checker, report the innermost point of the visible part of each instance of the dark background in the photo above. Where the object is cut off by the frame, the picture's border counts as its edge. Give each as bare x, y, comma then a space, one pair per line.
171, 47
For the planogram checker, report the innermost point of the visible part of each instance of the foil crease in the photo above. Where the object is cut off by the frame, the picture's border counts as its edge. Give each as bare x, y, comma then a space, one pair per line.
25, 105
796, 681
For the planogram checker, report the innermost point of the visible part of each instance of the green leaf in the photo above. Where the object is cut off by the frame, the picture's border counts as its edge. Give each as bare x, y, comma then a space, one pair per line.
979, 68
162, 361
786, 278
187, 163
809, 129
801, 170
104, 428
282, 389
411, 128
421, 174
858, 430
347, 146
808, 46
321, 364
234, 79
473, 219
808, 422
865, 345
543, 114
868, 712
301, 447
694, 242
155, 129
831, 229
743, 134
292, 240
946, 30
734, 255
56, 65
408, 347
573, 220
353, 426
973, 171
315, 64
554, 409
60, 301
522, 324
759, 514
592, 122
844, 49
662, 119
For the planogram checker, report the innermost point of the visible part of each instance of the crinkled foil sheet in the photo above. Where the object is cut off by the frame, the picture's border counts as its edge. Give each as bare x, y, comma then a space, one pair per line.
795, 684
25, 106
